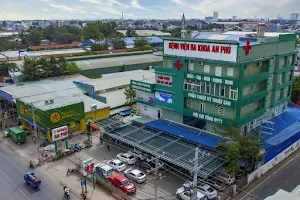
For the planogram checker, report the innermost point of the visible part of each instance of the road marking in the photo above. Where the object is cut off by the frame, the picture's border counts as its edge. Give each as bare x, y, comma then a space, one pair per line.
88, 64
286, 181
4, 175
269, 177
24, 194
293, 175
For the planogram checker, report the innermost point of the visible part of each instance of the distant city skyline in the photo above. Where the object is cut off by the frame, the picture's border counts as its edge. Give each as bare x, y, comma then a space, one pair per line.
141, 9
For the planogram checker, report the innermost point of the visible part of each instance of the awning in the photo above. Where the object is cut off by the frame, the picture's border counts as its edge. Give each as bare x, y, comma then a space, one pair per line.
125, 112
37, 126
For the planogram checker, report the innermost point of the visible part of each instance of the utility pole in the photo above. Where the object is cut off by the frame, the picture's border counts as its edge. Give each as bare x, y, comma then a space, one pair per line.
155, 183
195, 181
33, 118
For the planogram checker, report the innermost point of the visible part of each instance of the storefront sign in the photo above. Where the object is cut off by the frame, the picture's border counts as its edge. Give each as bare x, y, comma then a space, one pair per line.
163, 97
211, 79
60, 133
202, 97
212, 51
88, 167
6, 96
203, 116
147, 87
163, 80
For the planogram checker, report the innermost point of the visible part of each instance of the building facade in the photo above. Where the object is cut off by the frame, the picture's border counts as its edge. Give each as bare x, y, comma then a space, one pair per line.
216, 16
205, 82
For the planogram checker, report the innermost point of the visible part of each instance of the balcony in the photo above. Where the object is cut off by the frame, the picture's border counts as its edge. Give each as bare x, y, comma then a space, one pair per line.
255, 78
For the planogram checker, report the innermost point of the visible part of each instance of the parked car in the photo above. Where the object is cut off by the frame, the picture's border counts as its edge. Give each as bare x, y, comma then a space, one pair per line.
149, 167
136, 175
206, 189
219, 185
225, 177
185, 193
120, 181
104, 170
126, 158
138, 155
117, 165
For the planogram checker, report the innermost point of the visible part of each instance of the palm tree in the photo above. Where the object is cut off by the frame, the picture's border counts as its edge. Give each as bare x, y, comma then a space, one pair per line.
130, 96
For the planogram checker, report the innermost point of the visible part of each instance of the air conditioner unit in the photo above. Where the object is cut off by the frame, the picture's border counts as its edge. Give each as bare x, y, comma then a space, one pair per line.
93, 107
46, 102
51, 101
201, 63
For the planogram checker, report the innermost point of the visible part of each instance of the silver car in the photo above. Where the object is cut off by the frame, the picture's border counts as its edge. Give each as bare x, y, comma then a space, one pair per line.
136, 175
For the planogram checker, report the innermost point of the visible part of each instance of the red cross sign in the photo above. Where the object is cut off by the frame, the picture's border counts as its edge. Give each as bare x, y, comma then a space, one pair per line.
248, 47
177, 64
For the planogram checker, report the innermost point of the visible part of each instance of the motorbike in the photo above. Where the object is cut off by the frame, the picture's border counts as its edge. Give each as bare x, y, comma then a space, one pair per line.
70, 171
31, 164
67, 192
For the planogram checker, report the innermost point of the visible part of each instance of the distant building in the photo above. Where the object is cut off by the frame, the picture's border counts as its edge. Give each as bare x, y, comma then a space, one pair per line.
294, 16
234, 17
216, 16
183, 22
275, 28
209, 19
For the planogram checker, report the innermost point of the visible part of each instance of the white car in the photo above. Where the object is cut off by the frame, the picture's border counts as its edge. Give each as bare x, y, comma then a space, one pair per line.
183, 194
206, 189
136, 175
126, 158
138, 155
117, 165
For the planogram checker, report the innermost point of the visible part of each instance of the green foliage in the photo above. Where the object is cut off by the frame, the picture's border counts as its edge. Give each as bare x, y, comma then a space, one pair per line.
95, 77
141, 42
118, 43
64, 38
36, 69
6, 44
98, 47
62, 34
298, 41
35, 36
99, 30
176, 32
130, 94
232, 157
296, 89
4, 66
131, 33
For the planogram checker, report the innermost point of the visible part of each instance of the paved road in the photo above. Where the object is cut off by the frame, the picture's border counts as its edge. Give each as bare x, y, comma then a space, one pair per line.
287, 178
12, 185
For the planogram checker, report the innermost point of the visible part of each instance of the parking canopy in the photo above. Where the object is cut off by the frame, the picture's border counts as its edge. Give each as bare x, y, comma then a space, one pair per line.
174, 150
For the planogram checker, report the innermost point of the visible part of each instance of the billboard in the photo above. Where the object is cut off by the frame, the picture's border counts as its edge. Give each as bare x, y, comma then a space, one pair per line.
59, 133
163, 97
88, 167
211, 51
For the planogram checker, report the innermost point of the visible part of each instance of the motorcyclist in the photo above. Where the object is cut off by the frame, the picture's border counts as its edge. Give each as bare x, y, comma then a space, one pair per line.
31, 163
66, 190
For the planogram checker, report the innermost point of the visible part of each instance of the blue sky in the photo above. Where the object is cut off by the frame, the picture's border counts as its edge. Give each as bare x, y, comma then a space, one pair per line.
158, 9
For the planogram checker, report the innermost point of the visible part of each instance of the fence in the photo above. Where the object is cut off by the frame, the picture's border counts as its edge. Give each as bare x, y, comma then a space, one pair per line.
270, 164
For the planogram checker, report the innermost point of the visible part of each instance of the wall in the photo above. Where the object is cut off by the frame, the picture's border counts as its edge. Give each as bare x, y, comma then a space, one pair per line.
149, 111
172, 116
98, 114
145, 96
98, 71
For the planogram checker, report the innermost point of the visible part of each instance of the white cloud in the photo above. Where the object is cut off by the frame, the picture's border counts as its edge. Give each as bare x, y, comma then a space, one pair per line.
136, 4
62, 7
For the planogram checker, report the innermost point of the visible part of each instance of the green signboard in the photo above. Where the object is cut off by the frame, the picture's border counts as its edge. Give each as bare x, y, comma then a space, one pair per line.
211, 99
204, 116
54, 117
138, 85
210, 79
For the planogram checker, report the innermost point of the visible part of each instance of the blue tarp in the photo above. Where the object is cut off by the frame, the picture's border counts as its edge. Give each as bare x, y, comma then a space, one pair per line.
286, 125
37, 126
189, 134
125, 112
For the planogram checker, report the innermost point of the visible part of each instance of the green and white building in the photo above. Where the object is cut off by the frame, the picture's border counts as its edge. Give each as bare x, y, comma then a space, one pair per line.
234, 79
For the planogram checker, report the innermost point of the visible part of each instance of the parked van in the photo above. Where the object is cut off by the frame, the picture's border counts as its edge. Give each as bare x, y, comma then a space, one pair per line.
104, 170
225, 177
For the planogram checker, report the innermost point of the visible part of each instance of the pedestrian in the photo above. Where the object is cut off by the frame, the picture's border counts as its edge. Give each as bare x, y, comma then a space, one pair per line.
107, 147
101, 141
83, 196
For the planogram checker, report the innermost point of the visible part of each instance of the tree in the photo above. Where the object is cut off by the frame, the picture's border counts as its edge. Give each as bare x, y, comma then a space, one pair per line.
130, 32
232, 157
64, 38
72, 68
298, 41
31, 70
176, 32
34, 37
98, 47
140, 43
99, 30
130, 94
296, 89
90, 31
118, 43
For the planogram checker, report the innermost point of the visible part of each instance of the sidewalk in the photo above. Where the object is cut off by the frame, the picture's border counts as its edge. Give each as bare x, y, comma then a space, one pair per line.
59, 168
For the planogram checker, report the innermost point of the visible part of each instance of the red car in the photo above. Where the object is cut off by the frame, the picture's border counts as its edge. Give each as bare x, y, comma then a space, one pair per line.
123, 183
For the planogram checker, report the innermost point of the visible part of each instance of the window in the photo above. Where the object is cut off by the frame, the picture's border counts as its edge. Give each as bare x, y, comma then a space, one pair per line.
221, 110
202, 107
189, 103
218, 71
248, 69
170, 63
290, 61
278, 95
198, 87
206, 68
233, 93
245, 90
186, 85
193, 87
280, 79
190, 65
281, 62
254, 104
252, 87
222, 91
207, 88
230, 71
268, 97
289, 76
270, 80
189, 87
272, 62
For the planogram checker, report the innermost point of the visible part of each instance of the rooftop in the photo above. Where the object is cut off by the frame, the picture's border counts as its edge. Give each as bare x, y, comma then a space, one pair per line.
117, 61
115, 98
146, 32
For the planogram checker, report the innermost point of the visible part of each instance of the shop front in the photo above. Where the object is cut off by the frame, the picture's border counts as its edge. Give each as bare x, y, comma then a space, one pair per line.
72, 116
